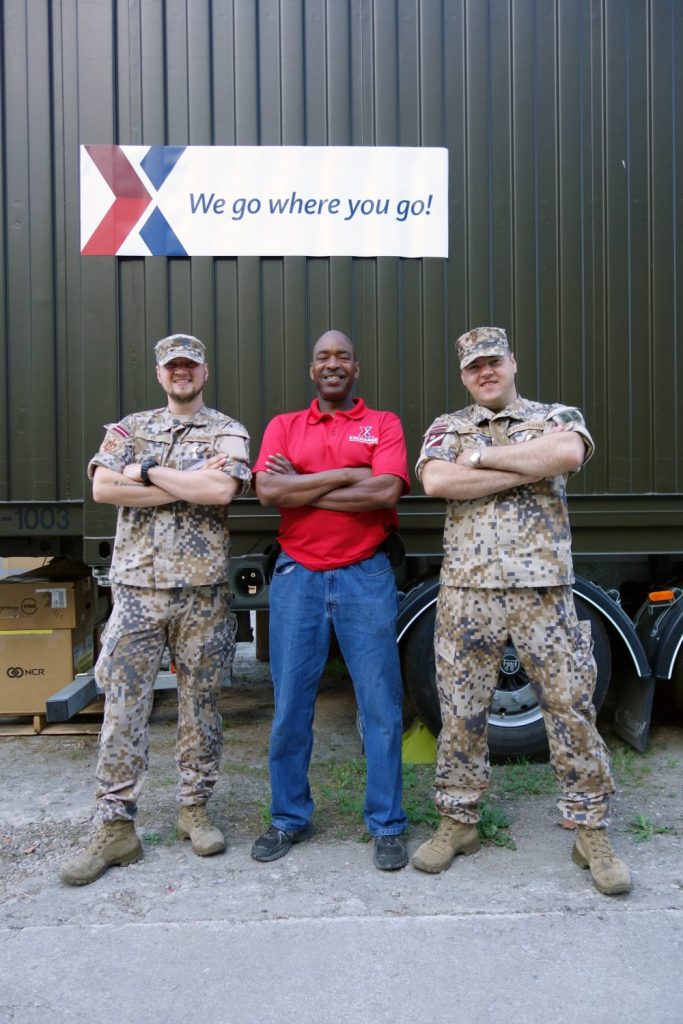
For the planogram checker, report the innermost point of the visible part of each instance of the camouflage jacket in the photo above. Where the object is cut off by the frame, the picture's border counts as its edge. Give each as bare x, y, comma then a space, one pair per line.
516, 538
181, 544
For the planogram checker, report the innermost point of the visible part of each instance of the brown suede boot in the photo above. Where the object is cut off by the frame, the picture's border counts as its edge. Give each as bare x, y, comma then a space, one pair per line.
115, 844
195, 824
593, 850
452, 837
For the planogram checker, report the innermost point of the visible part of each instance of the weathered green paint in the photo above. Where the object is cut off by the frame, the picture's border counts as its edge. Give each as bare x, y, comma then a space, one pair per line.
566, 155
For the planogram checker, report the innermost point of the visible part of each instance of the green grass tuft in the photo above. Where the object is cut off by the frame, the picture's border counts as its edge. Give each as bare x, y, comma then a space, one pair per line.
522, 778
493, 826
643, 829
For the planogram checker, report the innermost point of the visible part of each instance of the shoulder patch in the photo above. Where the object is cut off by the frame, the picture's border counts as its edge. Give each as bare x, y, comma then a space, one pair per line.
434, 440
117, 428
113, 443
436, 433
566, 415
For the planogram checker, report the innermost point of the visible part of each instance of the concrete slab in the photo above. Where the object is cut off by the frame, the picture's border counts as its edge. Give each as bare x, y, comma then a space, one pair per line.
537, 968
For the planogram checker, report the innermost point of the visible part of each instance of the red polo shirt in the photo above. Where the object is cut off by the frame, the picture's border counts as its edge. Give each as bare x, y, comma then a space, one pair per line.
316, 441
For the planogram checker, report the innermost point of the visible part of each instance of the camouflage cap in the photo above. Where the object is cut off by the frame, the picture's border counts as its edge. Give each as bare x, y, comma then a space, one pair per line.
481, 341
179, 346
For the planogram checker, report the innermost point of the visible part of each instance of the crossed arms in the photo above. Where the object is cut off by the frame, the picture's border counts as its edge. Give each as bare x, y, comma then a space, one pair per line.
205, 486
351, 489
504, 466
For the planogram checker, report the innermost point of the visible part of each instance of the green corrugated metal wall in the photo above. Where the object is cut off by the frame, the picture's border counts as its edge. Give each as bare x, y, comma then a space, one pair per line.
563, 122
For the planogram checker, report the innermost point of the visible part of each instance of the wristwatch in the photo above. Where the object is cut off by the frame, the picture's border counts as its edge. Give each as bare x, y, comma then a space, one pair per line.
475, 458
145, 467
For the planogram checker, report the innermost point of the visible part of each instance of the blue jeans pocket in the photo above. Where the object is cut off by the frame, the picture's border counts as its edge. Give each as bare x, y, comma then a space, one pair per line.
284, 566
377, 565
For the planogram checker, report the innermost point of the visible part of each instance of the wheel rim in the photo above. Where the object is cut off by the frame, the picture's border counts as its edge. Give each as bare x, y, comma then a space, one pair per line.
514, 701
514, 705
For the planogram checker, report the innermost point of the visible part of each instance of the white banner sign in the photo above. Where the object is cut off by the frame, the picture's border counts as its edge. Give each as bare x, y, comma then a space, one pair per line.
264, 201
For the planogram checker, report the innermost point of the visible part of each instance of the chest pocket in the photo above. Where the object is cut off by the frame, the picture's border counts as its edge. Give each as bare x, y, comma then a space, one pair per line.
472, 436
147, 445
194, 449
527, 430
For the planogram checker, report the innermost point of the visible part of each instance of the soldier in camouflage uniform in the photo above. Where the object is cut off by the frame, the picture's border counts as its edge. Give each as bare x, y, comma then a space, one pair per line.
171, 472
502, 465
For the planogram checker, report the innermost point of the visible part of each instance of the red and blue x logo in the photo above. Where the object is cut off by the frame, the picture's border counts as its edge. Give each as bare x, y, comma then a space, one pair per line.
132, 196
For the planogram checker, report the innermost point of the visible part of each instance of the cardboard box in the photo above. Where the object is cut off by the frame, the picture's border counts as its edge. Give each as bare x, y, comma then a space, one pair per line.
14, 564
35, 664
44, 600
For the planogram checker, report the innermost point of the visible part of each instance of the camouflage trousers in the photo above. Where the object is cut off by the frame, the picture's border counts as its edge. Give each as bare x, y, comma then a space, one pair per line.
556, 650
199, 629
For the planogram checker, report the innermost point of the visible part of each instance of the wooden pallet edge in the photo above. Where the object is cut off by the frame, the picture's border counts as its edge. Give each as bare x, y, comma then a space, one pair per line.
86, 724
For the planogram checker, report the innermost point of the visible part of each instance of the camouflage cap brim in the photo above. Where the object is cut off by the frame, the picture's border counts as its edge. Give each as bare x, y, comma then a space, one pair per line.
179, 346
481, 341
180, 353
490, 348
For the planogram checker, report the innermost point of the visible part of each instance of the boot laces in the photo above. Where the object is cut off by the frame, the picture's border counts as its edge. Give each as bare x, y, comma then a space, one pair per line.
444, 835
102, 837
599, 844
199, 816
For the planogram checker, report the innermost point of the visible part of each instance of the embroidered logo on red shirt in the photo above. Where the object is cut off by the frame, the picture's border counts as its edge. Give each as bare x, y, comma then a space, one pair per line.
365, 435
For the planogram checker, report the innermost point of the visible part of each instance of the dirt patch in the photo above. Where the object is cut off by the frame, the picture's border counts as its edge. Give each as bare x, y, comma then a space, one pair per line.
48, 804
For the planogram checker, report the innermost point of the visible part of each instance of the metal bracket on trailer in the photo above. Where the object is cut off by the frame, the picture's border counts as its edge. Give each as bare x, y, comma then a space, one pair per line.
77, 695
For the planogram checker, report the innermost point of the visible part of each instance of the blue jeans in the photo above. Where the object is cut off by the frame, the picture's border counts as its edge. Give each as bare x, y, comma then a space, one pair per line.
360, 602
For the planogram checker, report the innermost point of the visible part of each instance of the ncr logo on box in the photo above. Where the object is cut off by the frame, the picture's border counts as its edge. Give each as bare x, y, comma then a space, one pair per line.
16, 672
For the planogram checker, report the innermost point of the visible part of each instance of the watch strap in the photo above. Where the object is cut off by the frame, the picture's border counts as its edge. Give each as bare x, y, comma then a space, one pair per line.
145, 467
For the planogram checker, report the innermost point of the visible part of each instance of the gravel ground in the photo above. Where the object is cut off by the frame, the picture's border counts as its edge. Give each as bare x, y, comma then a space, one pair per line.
47, 810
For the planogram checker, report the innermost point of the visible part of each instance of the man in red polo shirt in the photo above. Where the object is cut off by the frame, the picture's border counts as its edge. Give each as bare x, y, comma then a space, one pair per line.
335, 471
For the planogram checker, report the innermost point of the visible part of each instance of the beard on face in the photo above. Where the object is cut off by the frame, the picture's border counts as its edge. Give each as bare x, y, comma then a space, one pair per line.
184, 397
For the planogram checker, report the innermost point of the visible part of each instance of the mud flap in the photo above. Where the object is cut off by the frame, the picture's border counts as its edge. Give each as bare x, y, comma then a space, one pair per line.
633, 710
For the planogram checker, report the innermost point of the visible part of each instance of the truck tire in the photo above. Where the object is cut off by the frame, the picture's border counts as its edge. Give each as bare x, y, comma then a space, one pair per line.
677, 681
516, 726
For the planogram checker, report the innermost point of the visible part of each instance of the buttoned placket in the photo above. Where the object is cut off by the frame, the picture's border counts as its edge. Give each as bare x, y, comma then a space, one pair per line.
164, 525
499, 429
504, 511
179, 432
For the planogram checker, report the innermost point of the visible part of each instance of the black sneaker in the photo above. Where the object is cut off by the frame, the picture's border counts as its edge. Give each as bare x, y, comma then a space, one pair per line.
390, 853
275, 843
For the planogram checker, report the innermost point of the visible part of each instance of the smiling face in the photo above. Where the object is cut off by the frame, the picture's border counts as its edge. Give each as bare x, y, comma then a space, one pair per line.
490, 381
334, 370
183, 381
